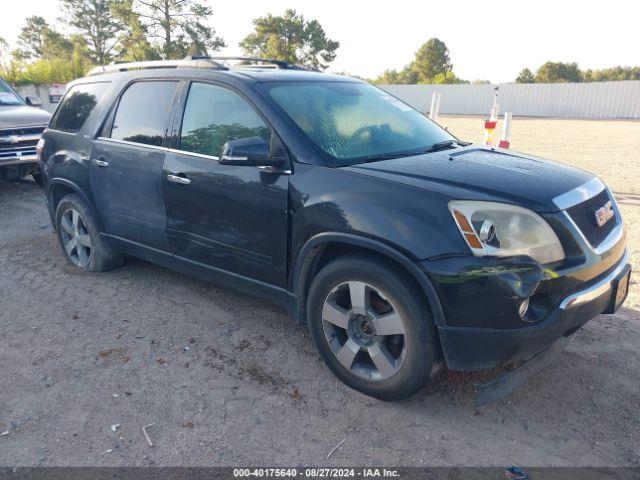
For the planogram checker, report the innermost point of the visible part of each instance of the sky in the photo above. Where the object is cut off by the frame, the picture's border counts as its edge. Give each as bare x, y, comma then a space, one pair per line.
487, 40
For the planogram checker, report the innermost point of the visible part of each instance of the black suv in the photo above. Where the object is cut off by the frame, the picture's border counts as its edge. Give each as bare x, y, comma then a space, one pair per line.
400, 246
21, 124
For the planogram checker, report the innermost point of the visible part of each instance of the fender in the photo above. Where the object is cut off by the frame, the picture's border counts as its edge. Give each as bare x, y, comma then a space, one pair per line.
77, 190
309, 253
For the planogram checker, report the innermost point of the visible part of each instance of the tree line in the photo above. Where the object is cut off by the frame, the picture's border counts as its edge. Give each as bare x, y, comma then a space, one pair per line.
98, 32
104, 31
432, 65
558, 72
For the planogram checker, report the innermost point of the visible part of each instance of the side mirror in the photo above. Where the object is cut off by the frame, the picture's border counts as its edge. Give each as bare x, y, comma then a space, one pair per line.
250, 151
33, 101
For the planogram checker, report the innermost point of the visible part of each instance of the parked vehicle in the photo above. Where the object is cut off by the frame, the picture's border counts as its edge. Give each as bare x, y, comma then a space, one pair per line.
21, 124
401, 247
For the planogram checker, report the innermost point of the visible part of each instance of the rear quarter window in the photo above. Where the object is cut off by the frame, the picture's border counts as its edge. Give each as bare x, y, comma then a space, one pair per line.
76, 106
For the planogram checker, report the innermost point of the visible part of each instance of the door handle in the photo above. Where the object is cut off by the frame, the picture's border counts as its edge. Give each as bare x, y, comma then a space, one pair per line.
100, 163
177, 179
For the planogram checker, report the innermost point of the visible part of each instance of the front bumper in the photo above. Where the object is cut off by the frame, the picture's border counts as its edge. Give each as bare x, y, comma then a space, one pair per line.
494, 298
599, 290
18, 160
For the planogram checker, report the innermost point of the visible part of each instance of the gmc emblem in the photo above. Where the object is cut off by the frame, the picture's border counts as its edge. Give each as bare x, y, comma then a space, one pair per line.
604, 214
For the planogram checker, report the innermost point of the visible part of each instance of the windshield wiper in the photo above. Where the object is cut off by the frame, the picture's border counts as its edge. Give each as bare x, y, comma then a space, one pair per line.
389, 156
444, 145
433, 148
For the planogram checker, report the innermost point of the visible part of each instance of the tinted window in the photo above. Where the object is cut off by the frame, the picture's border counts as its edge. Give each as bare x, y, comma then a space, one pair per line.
143, 111
353, 121
77, 104
213, 116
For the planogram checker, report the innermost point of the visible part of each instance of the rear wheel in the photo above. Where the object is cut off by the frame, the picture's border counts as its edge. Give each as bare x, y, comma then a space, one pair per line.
372, 327
80, 239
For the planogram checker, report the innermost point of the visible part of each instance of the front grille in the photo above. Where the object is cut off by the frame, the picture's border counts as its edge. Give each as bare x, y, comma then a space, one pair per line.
21, 131
17, 145
584, 216
17, 153
16, 142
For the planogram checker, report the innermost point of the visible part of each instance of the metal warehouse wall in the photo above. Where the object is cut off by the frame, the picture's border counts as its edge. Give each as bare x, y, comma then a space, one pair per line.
41, 91
568, 100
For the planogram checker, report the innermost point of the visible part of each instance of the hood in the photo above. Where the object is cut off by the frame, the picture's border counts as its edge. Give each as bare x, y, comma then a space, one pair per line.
482, 173
22, 116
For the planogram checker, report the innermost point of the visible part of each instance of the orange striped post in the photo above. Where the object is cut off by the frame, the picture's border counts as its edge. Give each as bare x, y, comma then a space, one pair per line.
492, 122
489, 127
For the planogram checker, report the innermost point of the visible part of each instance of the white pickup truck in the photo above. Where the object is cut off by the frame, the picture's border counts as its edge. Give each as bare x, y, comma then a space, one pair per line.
22, 122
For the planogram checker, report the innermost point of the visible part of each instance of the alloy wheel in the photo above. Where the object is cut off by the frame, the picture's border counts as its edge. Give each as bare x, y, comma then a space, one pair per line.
76, 238
364, 330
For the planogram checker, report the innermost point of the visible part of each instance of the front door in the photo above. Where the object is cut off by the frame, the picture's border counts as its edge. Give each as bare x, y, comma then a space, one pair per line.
126, 165
224, 217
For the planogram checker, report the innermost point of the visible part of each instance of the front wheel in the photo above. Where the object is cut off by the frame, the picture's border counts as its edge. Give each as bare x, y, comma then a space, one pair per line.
80, 239
372, 327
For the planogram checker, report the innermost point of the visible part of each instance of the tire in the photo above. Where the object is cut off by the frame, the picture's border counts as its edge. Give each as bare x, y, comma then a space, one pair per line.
390, 328
80, 240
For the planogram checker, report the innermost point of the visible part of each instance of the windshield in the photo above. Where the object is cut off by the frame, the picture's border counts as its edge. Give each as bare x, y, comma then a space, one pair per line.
355, 122
8, 96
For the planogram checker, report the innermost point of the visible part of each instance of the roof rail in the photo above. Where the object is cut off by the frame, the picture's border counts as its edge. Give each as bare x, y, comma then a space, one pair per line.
187, 62
280, 64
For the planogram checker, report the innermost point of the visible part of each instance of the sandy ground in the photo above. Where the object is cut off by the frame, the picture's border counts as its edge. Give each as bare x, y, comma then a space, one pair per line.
230, 380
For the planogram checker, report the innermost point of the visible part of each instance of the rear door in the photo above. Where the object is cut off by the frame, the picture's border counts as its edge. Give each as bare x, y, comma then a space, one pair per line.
224, 217
127, 161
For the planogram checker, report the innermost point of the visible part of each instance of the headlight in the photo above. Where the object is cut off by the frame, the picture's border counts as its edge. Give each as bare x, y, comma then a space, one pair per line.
499, 229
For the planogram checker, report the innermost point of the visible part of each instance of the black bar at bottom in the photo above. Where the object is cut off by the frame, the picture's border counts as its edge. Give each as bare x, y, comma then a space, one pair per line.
398, 473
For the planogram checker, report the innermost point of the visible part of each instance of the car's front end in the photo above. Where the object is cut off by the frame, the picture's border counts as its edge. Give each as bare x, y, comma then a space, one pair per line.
520, 252
18, 156
543, 250
21, 126
505, 308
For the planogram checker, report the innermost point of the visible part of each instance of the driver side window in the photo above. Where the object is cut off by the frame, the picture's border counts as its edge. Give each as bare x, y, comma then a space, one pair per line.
214, 115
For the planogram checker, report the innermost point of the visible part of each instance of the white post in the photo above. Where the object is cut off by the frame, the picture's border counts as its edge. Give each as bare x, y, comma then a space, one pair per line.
435, 106
506, 130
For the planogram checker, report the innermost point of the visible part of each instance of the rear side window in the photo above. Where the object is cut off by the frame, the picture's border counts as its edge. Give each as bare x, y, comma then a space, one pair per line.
77, 105
214, 115
143, 111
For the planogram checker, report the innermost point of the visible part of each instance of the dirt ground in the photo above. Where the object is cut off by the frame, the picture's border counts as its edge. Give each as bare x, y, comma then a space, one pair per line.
230, 380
